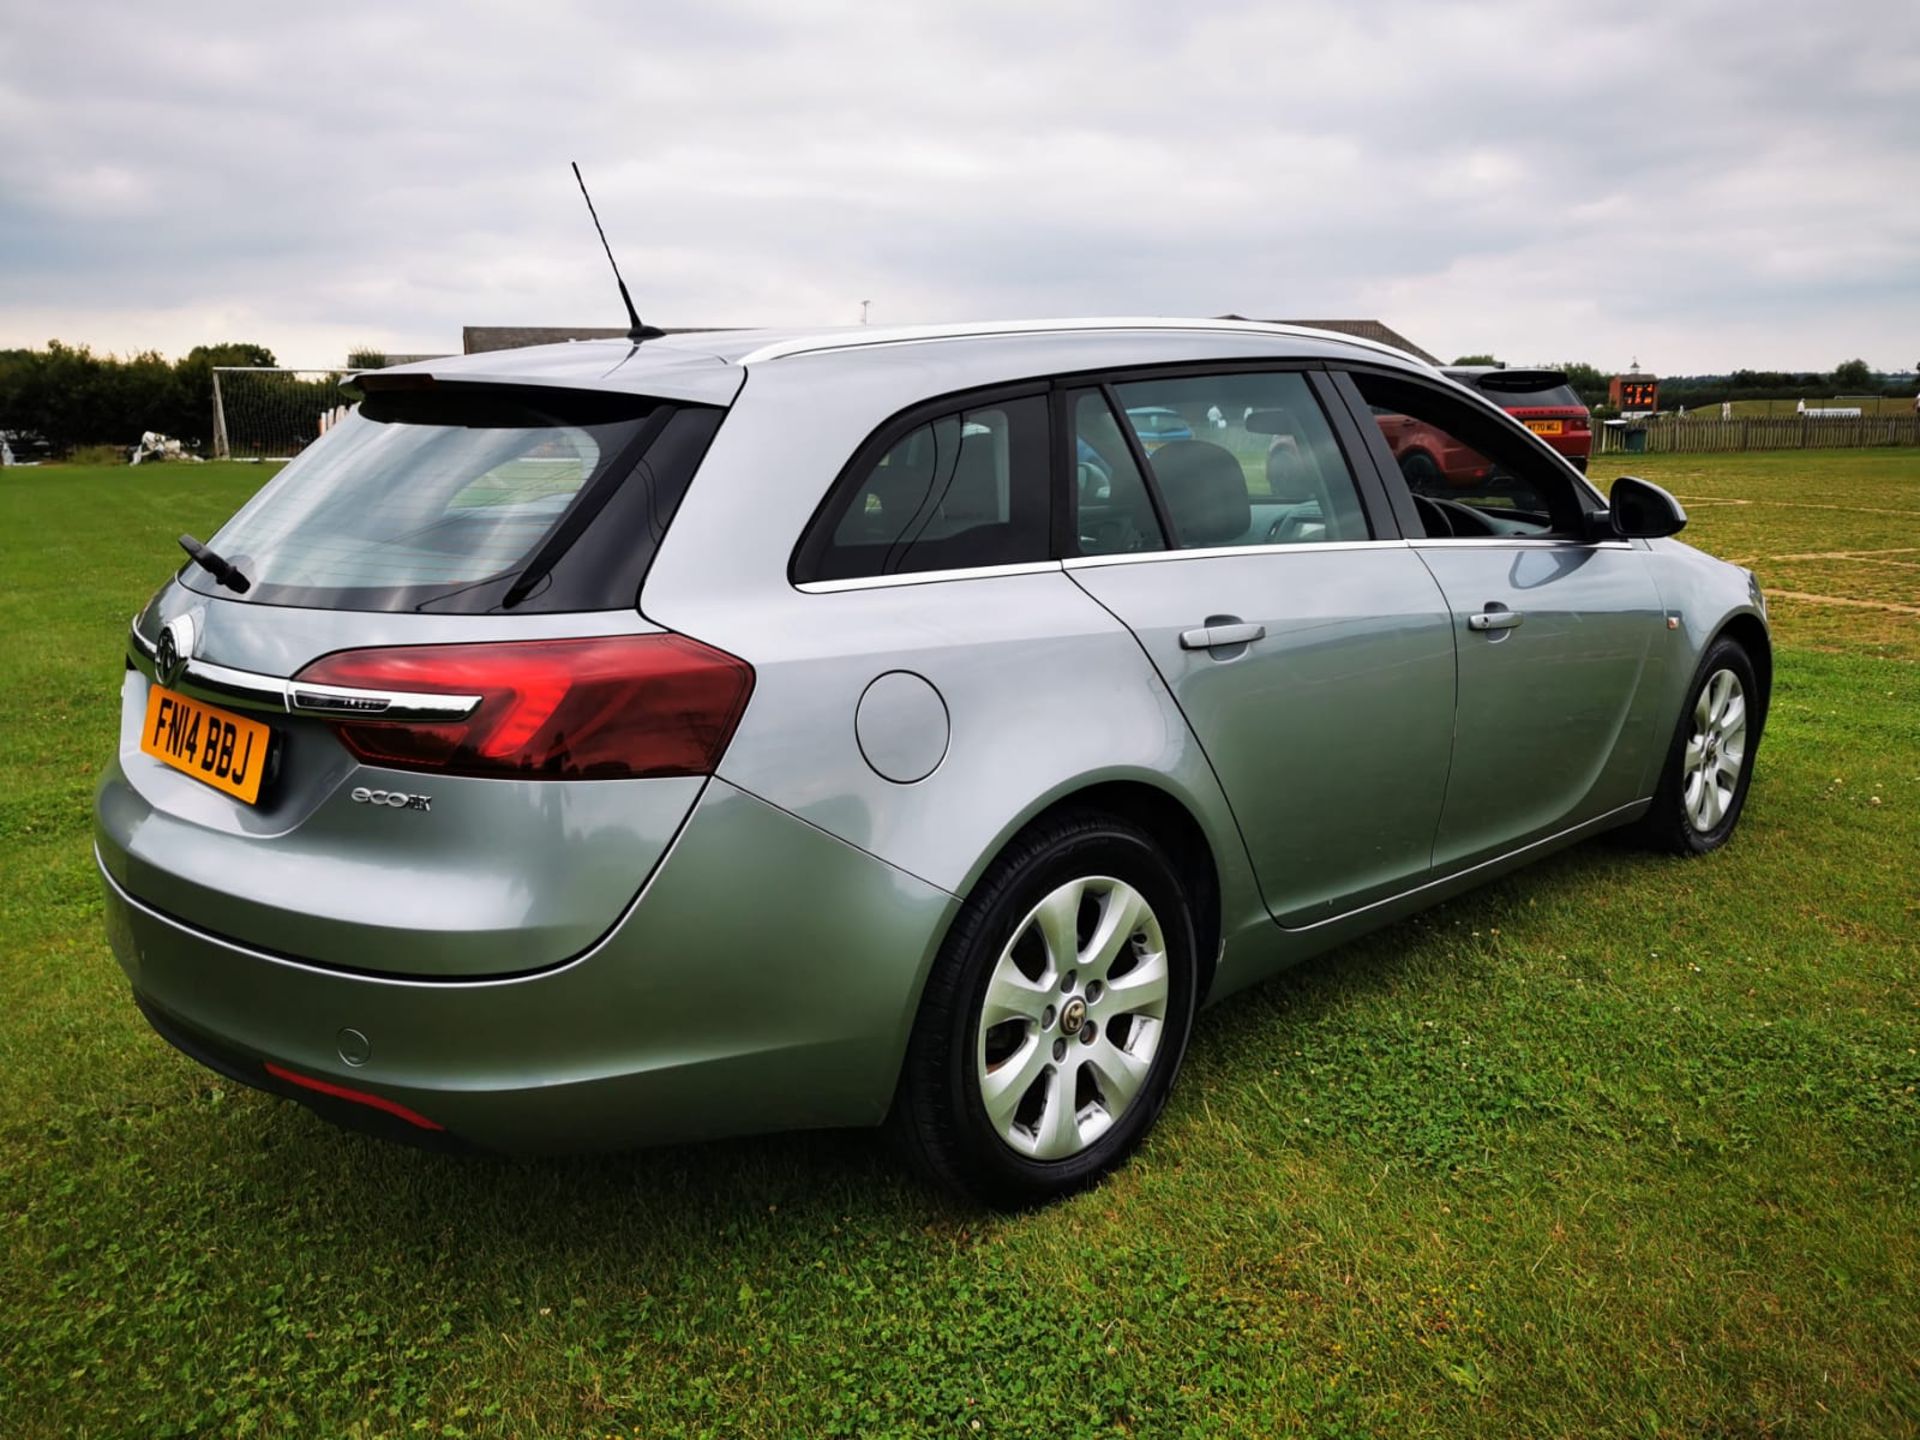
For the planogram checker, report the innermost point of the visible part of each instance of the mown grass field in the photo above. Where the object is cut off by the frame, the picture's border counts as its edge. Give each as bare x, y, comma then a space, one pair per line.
1620, 1146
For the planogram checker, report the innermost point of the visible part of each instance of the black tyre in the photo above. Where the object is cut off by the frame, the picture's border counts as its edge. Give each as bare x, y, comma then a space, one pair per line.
1055, 1018
1703, 786
1421, 474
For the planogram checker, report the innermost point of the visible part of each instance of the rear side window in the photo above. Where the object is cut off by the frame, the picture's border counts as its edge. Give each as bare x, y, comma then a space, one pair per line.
1243, 458
440, 499
960, 491
1113, 513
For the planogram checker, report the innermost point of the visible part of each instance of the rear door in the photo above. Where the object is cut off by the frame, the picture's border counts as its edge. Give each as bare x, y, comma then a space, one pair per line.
1554, 628
1308, 646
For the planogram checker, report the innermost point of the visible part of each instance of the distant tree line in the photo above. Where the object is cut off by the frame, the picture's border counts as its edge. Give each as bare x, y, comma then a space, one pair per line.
1852, 377
70, 396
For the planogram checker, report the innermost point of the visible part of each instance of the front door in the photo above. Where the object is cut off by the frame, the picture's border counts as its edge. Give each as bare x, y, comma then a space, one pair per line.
1554, 630
1312, 655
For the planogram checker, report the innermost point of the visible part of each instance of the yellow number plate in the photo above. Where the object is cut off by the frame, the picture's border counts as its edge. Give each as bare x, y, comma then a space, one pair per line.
227, 751
1547, 427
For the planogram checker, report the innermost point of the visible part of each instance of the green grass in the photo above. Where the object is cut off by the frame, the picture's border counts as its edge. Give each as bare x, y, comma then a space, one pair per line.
1619, 1146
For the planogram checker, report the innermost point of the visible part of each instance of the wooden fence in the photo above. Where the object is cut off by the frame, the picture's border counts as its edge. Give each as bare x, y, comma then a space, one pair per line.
1667, 435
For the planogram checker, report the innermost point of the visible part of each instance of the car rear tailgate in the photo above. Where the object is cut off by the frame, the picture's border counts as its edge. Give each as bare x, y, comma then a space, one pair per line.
486, 876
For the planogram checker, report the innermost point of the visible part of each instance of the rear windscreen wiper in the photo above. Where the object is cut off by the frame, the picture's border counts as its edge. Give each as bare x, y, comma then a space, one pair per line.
221, 571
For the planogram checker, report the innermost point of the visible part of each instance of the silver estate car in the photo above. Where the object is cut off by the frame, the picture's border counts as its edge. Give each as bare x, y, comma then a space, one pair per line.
603, 743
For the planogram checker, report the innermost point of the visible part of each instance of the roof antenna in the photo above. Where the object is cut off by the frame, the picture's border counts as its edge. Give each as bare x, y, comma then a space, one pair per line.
638, 332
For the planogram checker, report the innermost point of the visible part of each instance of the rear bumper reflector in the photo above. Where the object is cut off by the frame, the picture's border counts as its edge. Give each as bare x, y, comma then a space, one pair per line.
357, 1097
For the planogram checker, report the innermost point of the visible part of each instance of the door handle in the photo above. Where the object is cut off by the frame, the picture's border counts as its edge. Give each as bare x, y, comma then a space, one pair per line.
1213, 637
1495, 620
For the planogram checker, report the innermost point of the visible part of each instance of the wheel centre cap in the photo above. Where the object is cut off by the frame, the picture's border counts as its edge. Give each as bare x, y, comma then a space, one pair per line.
1073, 1015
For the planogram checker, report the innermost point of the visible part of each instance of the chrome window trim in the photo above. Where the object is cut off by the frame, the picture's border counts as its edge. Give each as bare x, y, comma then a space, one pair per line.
1517, 542
927, 577
246, 690
1298, 547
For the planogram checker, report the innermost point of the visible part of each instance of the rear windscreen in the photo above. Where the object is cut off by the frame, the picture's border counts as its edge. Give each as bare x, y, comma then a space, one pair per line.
1523, 394
446, 499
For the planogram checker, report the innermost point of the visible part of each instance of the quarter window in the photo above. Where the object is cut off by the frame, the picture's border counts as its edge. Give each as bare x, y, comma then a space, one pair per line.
1242, 459
964, 490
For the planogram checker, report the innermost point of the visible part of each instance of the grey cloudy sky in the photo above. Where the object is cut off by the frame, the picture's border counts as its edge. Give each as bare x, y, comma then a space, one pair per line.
1703, 188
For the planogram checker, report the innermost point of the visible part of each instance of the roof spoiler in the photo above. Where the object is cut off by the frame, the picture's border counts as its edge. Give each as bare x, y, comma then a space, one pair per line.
1520, 379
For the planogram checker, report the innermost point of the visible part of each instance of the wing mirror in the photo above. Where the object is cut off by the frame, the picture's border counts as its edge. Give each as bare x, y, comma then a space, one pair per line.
1640, 509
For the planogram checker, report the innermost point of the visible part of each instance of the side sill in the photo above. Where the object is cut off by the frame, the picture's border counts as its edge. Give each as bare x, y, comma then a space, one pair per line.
1620, 815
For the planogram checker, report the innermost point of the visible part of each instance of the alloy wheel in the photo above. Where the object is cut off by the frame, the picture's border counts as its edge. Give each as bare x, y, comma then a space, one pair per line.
1072, 1017
1716, 750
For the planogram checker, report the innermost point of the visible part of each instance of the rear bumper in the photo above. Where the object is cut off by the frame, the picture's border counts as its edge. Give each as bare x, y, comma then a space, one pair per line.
1575, 447
347, 1108
765, 980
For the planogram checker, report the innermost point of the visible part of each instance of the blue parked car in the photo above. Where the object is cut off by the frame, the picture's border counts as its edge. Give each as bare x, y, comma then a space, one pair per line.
1156, 425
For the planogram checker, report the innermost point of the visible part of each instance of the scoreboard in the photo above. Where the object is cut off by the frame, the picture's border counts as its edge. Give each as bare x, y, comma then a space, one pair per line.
1634, 392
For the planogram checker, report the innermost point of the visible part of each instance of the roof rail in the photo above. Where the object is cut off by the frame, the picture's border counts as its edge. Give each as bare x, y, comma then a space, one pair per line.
918, 334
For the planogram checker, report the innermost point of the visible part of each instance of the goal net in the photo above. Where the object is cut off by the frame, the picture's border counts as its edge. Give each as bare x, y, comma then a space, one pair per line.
272, 414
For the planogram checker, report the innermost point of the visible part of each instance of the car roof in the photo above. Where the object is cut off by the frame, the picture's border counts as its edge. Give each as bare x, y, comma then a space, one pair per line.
710, 366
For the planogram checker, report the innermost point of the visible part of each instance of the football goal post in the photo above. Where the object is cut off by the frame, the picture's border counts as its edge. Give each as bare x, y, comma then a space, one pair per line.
272, 414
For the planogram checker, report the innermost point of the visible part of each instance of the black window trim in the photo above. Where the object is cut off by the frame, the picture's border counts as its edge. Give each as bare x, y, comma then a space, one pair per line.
1142, 462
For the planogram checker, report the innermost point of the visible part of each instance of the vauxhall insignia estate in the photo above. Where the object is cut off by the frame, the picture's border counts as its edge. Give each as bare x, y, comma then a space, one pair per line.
608, 743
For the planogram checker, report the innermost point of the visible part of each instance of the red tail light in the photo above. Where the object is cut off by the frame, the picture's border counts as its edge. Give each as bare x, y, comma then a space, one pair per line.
619, 706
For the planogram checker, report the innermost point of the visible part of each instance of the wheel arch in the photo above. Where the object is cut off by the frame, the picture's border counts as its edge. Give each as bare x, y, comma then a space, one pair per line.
1750, 631
1167, 817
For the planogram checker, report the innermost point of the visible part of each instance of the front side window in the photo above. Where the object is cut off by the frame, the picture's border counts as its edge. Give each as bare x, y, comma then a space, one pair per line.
1237, 459
1470, 475
965, 490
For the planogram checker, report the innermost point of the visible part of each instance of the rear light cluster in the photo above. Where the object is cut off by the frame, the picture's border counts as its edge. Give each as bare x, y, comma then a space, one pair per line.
613, 707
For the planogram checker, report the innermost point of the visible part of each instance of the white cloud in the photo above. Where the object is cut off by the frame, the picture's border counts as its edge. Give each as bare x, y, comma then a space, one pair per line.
1703, 189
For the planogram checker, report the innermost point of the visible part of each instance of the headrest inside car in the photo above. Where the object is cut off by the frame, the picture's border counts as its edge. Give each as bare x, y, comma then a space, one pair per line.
1205, 490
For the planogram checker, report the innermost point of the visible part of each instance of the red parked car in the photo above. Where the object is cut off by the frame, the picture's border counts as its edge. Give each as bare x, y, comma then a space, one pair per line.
1542, 400
1435, 463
